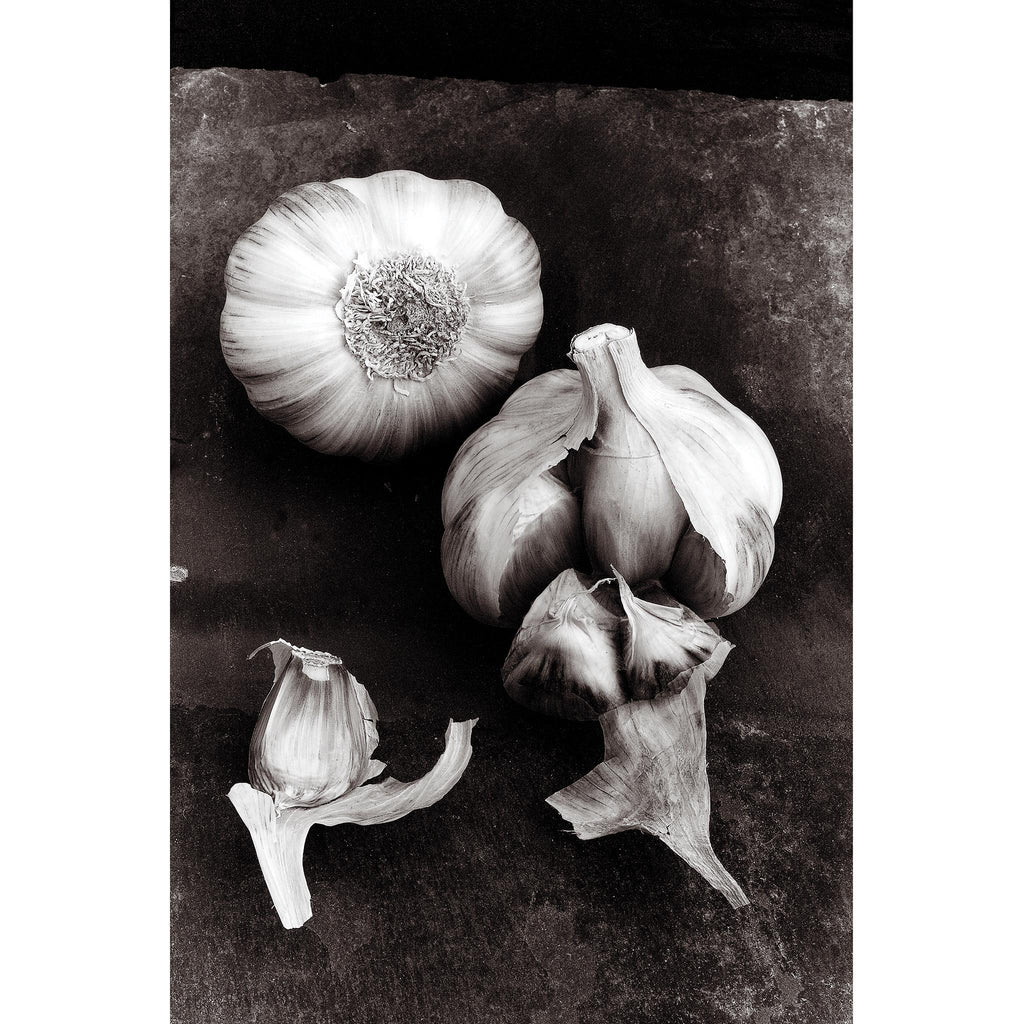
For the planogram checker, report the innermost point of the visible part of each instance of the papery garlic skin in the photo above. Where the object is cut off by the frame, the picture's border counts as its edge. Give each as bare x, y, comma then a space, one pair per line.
663, 643
316, 730
654, 778
565, 660
670, 480
352, 364
590, 645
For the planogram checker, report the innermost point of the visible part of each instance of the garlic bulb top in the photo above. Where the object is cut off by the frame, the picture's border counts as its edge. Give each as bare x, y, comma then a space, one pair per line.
368, 316
316, 730
617, 466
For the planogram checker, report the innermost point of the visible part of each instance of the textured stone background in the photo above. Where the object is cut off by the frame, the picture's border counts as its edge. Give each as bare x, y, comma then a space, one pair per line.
720, 230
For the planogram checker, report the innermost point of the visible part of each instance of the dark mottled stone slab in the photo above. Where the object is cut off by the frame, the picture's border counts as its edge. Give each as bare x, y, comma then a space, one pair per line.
720, 230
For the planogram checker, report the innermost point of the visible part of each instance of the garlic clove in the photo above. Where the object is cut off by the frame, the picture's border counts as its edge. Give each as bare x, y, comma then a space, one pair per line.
564, 659
308, 760
759, 464
316, 730
408, 210
701, 445
523, 440
663, 643
654, 778
496, 489
632, 516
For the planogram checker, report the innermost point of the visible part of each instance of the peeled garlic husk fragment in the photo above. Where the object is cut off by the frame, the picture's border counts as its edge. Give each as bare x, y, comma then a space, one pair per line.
650, 471
639, 661
589, 645
654, 778
369, 316
308, 759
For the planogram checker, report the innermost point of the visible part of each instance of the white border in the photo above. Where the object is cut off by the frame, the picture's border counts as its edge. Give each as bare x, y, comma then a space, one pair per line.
937, 454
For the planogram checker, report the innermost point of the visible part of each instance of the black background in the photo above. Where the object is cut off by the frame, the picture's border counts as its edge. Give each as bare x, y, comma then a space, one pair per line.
798, 49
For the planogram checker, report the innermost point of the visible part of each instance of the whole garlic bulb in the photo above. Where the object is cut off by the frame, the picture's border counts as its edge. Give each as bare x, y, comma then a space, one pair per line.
369, 316
617, 466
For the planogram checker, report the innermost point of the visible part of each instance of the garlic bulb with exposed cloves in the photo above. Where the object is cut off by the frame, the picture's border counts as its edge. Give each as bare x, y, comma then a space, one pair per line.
651, 472
369, 316
308, 759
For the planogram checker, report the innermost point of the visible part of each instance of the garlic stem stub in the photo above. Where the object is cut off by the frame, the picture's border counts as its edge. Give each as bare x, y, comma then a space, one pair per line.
309, 757
651, 472
370, 316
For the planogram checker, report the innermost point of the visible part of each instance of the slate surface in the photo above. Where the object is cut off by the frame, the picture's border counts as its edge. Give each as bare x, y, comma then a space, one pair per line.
720, 230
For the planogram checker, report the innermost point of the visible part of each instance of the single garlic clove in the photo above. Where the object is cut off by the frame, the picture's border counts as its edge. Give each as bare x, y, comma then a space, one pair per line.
704, 449
654, 778
316, 730
663, 643
313, 695
750, 447
632, 515
564, 659
511, 520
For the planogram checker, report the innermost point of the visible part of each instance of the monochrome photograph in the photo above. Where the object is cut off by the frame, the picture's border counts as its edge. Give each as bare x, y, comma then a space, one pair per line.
511, 513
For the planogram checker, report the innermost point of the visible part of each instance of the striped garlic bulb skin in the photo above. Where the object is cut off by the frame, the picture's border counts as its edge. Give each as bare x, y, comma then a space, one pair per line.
370, 316
651, 473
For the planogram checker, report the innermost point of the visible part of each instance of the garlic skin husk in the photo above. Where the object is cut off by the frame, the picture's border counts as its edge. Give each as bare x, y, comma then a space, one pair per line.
370, 316
316, 731
663, 642
325, 785
564, 659
589, 645
639, 662
654, 778
671, 482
